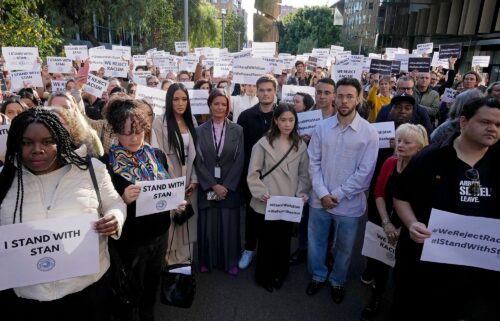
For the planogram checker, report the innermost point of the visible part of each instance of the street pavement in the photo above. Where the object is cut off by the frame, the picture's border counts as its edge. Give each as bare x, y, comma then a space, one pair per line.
221, 297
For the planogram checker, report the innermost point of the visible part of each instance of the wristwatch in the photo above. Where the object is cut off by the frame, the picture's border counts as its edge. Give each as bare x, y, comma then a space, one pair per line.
385, 222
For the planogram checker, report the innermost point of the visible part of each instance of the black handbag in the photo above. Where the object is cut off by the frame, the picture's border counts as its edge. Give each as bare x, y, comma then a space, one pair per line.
178, 289
184, 216
119, 277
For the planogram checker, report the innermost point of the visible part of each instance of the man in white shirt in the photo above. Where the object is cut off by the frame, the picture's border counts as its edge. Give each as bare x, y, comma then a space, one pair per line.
342, 155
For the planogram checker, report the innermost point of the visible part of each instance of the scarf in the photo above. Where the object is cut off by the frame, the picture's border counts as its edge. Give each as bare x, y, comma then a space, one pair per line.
142, 165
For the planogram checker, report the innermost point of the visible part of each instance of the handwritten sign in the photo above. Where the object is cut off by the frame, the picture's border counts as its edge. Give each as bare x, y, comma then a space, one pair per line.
386, 132
376, 245
308, 121
463, 240
451, 50
284, 208
48, 250
481, 61
20, 58
95, 86
160, 196
76, 52
248, 70
182, 46
21, 79
288, 91
59, 65
198, 101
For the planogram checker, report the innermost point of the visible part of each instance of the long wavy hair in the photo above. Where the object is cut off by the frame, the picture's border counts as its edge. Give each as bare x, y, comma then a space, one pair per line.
174, 134
13, 157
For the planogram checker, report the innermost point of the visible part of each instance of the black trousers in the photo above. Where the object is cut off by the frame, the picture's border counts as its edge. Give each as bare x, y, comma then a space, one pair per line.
273, 252
253, 222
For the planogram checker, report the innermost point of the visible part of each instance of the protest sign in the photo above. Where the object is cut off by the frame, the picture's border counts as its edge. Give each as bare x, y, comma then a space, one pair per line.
20, 58
288, 91
48, 250
284, 208
481, 61
436, 62
58, 85
425, 48
3, 85
350, 71
395, 67
419, 64
378, 66
188, 63
450, 50
222, 69
182, 46
125, 50
312, 63
386, 132
263, 49
198, 101
76, 52
308, 121
4, 132
376, 245
274, 65
116, 68
160, 196
209, 53
461, 239
139, 60
156, 96
335, 50
449, 95
95, 86
21, 79
141, 76
248, 70
59, 65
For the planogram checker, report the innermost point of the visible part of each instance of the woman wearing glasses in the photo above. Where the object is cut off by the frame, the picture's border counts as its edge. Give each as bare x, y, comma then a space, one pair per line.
410, 139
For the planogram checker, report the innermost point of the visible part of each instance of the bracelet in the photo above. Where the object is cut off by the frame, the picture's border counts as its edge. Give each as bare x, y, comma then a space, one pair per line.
385, 222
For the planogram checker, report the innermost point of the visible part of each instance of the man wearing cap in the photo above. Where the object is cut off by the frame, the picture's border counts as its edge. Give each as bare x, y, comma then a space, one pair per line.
405, 114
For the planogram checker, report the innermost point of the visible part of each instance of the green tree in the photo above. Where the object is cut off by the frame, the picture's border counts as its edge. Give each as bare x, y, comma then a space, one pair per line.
205, 26
235, 27
20, 25
161, 29
307, 28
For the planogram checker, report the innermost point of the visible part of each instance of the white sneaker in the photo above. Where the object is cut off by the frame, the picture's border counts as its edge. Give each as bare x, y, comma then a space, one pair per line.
246, 259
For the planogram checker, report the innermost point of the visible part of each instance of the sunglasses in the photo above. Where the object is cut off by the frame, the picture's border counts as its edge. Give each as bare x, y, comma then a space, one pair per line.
473, 175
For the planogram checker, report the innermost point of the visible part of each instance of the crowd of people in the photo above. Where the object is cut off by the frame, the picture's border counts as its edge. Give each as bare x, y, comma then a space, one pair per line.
247, 150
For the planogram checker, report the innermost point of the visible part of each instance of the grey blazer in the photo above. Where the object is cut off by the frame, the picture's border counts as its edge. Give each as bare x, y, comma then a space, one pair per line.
231, 163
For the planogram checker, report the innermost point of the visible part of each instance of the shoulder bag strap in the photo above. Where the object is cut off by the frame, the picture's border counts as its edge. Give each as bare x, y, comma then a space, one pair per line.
96, 186
277, 164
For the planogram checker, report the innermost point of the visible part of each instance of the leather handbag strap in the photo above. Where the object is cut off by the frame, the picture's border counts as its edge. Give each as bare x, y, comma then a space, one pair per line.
277, 164
96, 186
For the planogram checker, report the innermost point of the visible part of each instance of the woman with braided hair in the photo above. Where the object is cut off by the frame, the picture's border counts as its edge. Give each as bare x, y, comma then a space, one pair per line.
45, 177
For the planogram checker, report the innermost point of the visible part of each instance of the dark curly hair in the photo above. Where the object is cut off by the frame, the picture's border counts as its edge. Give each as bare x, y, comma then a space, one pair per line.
13, 158
121, 109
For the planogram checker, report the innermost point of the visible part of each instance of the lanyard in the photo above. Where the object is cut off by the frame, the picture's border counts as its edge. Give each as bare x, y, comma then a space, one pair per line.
217, 145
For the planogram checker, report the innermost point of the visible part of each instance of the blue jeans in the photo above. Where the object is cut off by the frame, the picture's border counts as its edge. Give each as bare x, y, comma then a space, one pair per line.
346, 229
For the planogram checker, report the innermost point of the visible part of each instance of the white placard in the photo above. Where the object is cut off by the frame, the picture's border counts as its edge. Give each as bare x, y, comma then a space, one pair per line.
386, 132
59, 65
404, 60
125, 50
222, 69
21, 79
99, 57
116, 68
335, 50
20, 58
375, 56
156, 96
160, 196
463, 240
245, 53
48, 250
350, 71
376, 245
95, 86
248, 70
188, 84
198, 101
263, 49
274, 65
209, 53
308, 121
141, 76
182, 46
139, 60
449, 95
188, 63
288, 61
58, 85
284, 208
425, 48
4, 132
481, 61
436, 62
288, 91
76, 52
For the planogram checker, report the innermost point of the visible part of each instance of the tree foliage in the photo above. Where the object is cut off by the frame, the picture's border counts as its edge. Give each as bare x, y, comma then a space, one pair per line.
234, 24
21, 26
307, 28
205, 26
161, 29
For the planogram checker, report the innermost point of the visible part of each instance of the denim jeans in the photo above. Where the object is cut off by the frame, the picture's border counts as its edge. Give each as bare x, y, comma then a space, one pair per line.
346, 228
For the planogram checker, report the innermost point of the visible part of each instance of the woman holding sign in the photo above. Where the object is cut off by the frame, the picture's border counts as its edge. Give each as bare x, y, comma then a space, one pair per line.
131, 160
278, 167
376, 101
46, 179
177, 139
219, 163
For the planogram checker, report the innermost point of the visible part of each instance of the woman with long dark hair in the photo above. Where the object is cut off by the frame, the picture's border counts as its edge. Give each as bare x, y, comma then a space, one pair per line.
289, 178
44, 177
176, 135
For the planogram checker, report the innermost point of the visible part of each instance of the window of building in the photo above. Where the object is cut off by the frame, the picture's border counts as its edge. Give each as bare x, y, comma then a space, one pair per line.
370, 6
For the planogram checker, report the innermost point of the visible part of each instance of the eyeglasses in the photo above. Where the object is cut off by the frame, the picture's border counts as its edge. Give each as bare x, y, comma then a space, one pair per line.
475, 186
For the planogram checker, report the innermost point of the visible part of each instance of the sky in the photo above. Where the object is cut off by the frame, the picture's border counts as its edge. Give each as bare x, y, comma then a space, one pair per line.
248, 5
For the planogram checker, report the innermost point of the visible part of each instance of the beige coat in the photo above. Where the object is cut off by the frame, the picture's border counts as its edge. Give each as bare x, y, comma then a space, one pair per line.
290, 178
180, 236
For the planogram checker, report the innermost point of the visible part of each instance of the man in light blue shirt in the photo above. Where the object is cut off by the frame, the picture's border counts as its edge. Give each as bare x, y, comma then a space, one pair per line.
342, 156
